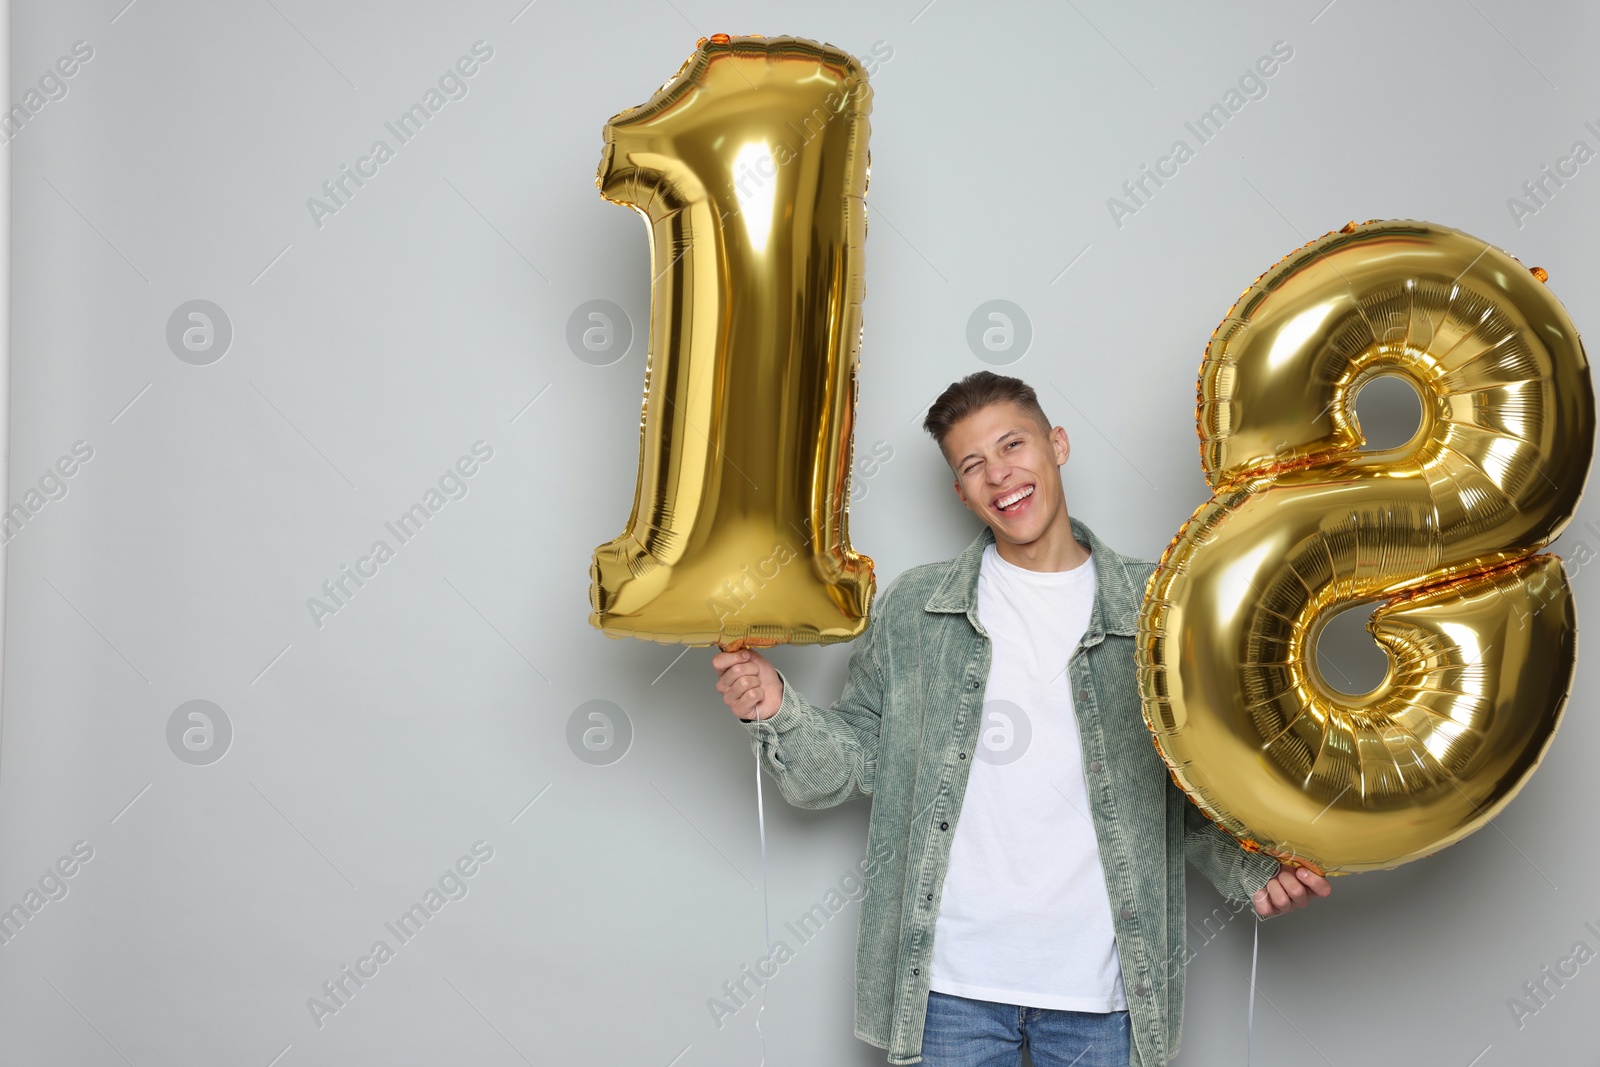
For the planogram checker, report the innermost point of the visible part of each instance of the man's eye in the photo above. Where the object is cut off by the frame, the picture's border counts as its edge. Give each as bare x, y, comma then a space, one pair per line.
1013, 444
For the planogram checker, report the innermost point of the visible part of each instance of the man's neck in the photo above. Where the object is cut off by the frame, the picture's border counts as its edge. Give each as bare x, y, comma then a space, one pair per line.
1053, 550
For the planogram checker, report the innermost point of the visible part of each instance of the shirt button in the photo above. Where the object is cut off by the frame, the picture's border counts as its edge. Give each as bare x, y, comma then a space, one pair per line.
1083, 694
930, 896
1095, 766
963, 755
974, 685
1139, 990
944, 826
1127, 913
916, 970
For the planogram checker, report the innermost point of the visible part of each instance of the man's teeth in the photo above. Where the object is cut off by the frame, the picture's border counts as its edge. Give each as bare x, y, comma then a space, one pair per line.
1006, 501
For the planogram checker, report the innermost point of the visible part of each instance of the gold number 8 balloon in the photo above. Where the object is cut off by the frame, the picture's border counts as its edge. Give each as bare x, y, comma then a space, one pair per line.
1444, 530
750, 167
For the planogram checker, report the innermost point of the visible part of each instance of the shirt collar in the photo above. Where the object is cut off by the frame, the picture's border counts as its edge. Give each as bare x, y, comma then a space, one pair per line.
1117, 597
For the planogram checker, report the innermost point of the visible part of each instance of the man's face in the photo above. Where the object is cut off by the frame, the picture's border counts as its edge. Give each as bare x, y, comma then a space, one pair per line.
1002, 456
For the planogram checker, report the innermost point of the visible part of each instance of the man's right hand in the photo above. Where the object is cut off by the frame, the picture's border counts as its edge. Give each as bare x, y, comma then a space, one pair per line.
749, 685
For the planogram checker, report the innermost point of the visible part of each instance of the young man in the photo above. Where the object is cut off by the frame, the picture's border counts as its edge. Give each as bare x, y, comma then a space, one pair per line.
1028, 842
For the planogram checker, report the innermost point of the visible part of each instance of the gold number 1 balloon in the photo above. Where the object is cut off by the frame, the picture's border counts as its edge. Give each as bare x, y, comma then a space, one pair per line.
750, 167
1444, 530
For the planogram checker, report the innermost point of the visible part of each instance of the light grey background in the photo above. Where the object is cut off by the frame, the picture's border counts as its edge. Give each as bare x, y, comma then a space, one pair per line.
433, 710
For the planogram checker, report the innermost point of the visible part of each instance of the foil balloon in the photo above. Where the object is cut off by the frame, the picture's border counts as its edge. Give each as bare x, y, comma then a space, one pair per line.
750, 169
1443, 532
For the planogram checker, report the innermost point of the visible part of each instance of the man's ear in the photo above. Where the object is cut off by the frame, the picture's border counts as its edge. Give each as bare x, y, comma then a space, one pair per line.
1063, 447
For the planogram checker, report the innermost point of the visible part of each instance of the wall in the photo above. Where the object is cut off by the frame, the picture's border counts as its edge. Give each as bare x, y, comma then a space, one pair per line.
365, 751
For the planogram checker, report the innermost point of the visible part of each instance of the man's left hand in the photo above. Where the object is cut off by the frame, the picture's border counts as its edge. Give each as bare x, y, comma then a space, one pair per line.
1291, 887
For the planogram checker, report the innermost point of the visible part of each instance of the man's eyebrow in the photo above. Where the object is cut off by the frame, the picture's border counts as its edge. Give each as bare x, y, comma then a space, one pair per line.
962, 462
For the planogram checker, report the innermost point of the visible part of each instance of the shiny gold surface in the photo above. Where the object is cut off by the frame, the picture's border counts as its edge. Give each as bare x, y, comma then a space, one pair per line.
1480, 630
750, 168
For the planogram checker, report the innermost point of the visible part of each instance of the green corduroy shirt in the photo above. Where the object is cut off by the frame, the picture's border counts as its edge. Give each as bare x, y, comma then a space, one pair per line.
903, 732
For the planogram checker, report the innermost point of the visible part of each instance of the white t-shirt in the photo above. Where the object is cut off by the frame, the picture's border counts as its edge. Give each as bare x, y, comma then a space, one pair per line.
1024, 917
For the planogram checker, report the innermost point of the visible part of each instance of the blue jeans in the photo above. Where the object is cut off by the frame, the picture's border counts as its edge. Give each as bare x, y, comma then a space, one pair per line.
960, 1032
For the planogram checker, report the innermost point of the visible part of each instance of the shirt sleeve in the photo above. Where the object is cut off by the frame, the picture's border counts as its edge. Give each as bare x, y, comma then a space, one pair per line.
825, 756
1237, 872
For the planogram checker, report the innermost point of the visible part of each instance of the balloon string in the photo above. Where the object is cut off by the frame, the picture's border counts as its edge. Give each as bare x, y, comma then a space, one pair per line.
766, 928
1250, 1015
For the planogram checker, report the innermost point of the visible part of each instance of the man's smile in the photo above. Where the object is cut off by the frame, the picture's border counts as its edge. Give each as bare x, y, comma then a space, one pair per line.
1013, 501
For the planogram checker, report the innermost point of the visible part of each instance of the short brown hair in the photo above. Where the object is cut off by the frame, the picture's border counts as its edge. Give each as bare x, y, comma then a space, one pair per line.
976, 391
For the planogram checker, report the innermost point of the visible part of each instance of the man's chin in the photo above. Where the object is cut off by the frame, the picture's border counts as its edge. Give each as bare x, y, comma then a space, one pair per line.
1014, 536
1026, 532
